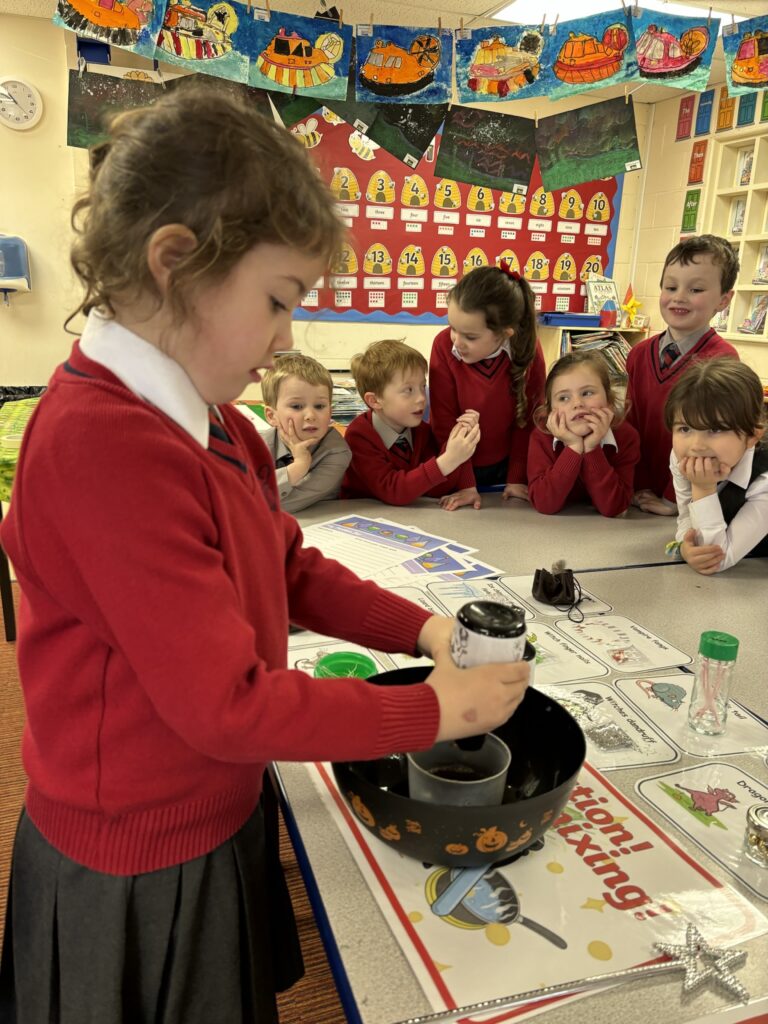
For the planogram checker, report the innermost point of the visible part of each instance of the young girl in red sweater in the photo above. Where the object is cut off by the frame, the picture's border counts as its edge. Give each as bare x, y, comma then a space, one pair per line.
489, 360
158, 578
586, 452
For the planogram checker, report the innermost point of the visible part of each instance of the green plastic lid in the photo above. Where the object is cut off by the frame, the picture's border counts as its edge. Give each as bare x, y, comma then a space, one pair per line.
342, 664
720, 646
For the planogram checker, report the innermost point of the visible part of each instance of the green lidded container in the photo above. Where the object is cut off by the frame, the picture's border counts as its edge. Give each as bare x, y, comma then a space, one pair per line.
342, 664
718, 646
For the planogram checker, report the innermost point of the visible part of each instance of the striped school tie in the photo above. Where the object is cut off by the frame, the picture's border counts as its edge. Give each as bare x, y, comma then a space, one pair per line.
283, 461
219, 441
670, 353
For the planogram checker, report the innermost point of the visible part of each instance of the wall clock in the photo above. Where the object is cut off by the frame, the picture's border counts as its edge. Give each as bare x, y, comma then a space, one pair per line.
21, 105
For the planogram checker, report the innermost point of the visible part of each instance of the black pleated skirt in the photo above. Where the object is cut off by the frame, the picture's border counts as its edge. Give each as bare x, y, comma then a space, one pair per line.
205, 942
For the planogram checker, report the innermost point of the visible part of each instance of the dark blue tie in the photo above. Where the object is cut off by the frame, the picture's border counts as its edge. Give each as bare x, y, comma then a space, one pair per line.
669, 355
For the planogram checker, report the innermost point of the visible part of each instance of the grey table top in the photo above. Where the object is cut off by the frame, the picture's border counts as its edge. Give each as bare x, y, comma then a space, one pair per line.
517, 539
668, 599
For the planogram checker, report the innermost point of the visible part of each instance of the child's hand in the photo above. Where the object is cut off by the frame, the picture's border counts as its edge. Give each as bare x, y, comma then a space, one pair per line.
647, 501
557, 428
470, 418
703, 474
704, 558
475, 700
300, 450
466, 496
600, 421
516, 491
460, 446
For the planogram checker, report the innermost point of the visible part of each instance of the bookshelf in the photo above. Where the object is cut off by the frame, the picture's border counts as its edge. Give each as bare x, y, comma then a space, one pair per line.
552, 340
738, 210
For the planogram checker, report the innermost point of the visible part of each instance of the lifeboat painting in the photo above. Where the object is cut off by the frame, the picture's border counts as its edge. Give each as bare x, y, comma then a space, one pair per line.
191, 33
392, 70
585, 59
109, 20
291, 61
498, 68
660, 54
750, 65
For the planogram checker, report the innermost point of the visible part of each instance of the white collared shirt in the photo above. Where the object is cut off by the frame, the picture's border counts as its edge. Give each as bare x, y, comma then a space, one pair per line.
388, 435
705, 516
608, 439
147, 372
505, 346
684, 344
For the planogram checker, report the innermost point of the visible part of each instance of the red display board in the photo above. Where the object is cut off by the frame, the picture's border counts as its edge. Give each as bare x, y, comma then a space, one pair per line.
413, 235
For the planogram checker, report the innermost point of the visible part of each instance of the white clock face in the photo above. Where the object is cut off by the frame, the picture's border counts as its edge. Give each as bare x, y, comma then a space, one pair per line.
21, 105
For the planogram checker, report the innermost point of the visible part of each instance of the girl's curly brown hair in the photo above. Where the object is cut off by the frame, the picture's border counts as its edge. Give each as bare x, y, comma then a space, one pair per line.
204, 158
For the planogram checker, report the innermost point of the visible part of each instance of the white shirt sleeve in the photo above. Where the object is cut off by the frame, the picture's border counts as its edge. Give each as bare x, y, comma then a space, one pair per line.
683, 496
746, 529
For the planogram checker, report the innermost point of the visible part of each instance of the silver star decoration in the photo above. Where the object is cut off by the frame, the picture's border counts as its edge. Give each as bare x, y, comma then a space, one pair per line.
700, 961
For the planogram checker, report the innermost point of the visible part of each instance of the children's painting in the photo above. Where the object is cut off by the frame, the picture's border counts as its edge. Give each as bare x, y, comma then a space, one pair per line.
399, 64
304, 56
590, 53
406, 130
94, 98
746, 56
675, 51
499, 63
597, 141
132, 25
484, 148
207, 36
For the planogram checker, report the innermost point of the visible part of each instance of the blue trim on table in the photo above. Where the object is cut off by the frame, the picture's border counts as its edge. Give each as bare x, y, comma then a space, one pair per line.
348, 1001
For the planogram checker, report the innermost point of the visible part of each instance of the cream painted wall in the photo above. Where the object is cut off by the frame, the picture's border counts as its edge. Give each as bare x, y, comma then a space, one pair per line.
662, 211
37, 170
42, 175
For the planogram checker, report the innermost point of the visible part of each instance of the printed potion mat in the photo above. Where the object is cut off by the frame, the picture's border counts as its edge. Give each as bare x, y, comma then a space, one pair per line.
453, 595
618, 734
709, 803
623, 645
666, 699
604, 886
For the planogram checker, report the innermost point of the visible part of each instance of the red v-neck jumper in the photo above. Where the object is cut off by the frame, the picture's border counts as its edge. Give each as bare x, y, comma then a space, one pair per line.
647, 389
393, 475
158, 579
485, 386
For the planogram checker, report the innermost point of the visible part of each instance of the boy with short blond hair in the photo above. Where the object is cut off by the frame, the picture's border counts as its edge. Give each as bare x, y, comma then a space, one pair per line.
310, 456
696, 282
395, 457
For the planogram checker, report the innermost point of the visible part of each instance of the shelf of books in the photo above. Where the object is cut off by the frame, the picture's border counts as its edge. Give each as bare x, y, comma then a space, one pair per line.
614, 343
739, 212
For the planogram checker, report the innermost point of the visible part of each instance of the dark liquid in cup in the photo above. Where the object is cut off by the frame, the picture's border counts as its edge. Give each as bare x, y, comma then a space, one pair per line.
460, 772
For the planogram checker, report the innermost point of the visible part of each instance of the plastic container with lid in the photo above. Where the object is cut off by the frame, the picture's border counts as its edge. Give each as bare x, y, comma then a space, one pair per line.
715, 663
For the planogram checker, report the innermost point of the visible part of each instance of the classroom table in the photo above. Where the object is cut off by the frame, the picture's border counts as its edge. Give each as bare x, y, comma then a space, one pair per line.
375, 980
517, 539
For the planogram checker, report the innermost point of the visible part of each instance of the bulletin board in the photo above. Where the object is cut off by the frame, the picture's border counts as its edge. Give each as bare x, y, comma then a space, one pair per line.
413, 234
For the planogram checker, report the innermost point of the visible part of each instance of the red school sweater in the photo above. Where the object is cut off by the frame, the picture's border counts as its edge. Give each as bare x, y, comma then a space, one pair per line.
485, 386
393, 475
647, 389
559, 476
157, 582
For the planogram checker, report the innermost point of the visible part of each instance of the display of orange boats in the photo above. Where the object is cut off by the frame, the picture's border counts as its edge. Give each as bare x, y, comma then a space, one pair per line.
750, 65
662, 55
292, 61
498, 69
391, 70
584, 59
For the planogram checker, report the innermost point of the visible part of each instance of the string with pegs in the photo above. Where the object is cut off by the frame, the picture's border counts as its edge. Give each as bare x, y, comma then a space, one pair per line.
543, 22
553, 26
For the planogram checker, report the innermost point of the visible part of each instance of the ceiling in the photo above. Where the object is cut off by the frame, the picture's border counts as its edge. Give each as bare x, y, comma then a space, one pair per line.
453, 13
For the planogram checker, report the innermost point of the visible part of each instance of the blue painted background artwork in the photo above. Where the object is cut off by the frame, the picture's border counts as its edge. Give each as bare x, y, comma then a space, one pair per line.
207, 37
675, 51
504, 62
305, 56
132, 26
746, 57
590, 53
402, 64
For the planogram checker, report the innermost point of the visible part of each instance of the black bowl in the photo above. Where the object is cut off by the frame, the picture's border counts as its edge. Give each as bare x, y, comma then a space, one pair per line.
548, 750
